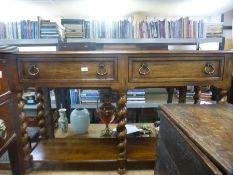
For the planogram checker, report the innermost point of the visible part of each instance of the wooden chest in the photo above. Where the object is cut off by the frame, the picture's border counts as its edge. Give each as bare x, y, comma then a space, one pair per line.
195, 139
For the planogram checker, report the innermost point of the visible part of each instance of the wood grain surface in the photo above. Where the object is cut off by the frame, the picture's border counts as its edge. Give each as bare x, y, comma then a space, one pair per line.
210, 127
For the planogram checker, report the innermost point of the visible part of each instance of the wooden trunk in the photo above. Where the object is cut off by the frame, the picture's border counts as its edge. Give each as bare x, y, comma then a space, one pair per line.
195, 139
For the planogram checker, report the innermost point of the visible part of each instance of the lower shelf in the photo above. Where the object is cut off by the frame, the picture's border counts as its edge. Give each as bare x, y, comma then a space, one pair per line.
95, 150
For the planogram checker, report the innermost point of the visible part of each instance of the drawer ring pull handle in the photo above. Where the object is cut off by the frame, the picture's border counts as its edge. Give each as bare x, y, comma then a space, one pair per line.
3, 132
33, 70
209, 69
144, 69
101, 70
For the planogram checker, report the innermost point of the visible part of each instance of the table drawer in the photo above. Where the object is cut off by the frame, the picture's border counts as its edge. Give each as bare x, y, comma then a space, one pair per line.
6, 124
3, 77
77, 70
168, 69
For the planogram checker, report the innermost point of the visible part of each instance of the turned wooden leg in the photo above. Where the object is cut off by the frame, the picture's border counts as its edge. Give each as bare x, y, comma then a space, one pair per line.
222, 96
182, 94
197, 94
121, 132
41, 113
48, 113
170, 92
24, 136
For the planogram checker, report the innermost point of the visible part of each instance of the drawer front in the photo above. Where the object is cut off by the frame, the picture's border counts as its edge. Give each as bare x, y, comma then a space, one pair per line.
7, 129
3, 77
80, 70
180, 69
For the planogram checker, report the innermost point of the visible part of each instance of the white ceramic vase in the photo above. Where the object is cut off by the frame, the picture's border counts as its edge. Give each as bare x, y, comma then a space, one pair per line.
80, 120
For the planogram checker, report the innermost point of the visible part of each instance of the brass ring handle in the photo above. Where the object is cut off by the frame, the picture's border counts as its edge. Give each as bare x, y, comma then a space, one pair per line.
209, 69
101, 70
144, 69
33, 70
3, 132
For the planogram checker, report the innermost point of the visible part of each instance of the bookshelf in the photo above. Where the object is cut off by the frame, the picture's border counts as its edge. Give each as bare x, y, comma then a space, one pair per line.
152, 30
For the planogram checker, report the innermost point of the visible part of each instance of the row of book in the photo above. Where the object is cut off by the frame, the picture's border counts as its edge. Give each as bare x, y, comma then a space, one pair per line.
27, 29
126, 29
134, 29
121, 29
24, 29
91, 96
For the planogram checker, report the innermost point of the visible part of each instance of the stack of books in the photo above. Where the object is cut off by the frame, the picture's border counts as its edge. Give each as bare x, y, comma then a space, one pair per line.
89, 96
74, 28
206, 93
136, 95
214, 30
48, 29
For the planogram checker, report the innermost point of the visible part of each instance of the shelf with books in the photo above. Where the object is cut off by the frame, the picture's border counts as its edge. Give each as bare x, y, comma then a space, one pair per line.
147, 28
128, 31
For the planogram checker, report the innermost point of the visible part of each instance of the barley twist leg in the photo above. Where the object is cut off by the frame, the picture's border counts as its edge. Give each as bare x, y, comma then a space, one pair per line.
122, 132
182, 94
26, 149
41, 113
197, 94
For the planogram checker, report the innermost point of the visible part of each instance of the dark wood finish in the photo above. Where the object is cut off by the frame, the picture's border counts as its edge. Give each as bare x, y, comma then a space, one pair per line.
197, 94
121, 70
10, 141
203, 133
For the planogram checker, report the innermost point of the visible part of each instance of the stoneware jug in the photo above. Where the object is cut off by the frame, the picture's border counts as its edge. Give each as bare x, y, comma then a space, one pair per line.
80, 120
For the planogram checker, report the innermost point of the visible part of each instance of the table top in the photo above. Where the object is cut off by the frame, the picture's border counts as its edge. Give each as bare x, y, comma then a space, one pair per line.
209, 127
